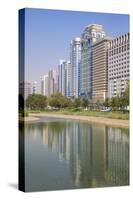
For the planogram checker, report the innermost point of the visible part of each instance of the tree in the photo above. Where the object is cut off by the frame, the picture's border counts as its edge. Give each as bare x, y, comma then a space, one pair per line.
36, 102
116, 102
85, 103
107, 102
113, 102
98, 104
77, 102
125, 96
68, 103
57, 100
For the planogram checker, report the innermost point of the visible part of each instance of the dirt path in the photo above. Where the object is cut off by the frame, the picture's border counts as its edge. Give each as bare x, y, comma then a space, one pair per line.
100, 120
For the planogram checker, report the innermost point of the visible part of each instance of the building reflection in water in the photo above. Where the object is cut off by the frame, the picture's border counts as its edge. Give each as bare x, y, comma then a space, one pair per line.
97, 155
117, 156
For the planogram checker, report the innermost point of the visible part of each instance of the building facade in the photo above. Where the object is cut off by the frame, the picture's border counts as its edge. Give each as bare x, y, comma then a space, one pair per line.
118, 65
68, 73
100, 69
56, 79
53, 81
65, 77
91, 34
49, 83
62, 77
25, 88
45, 85
34, 88
75, 59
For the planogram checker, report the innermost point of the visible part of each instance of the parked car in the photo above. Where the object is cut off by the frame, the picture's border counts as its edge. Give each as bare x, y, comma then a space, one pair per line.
106, 109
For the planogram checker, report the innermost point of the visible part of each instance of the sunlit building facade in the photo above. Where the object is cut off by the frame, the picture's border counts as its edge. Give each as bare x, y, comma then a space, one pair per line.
45, 85
68, 68
52, 81
65, 77
118, 65
34, 87
91, 34
100, 69
75, 59
25, 88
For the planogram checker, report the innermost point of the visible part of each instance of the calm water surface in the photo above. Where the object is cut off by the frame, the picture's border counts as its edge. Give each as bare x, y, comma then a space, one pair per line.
66, 154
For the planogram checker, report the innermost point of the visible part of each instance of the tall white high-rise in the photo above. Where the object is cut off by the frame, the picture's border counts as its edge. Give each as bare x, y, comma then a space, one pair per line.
45, 85
91, 34
55, 77
68, 78
64, 77
53, 81
75, 59
34, 87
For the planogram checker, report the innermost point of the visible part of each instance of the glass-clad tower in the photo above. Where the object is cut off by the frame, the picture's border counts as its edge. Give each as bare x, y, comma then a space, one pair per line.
75, 59
64, 77
91, 34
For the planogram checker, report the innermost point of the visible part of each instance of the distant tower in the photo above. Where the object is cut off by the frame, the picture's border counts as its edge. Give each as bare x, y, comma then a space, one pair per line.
53, 81
44, 85
34, 89
25, 88
68, 78
75, 59
62, 77
65, 77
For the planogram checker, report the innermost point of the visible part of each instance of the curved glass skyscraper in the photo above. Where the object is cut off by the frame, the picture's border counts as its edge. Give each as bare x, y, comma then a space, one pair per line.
75, 59
91, 34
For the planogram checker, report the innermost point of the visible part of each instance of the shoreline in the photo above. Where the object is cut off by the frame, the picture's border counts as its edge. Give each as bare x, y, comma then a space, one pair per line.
91, 119
28, 119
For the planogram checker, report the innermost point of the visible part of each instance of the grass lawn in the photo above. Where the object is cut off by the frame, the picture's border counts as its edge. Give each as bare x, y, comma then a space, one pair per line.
112, 114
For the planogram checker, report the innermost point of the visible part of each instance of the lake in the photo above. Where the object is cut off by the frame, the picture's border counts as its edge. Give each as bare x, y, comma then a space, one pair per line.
70, 154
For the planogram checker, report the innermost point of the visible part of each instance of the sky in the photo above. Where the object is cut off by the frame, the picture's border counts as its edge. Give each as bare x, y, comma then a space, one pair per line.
48, 34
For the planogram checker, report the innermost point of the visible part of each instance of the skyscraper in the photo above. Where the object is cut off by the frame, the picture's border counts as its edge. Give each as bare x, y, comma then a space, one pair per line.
118, 65
65, 77
75, 59
50, 82
69, 80
44, 85
25, 88
55, 78
91, 34
34, 87
100, 69
62, 76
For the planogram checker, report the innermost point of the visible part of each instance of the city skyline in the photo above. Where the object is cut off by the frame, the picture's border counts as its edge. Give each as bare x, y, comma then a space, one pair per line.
109, 60
74, 100
56, 27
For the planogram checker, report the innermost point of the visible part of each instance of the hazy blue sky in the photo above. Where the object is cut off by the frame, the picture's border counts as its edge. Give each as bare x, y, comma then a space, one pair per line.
49, 32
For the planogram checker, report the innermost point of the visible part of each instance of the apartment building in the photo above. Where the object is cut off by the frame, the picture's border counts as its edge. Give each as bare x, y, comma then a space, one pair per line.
100, 69
118, 65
